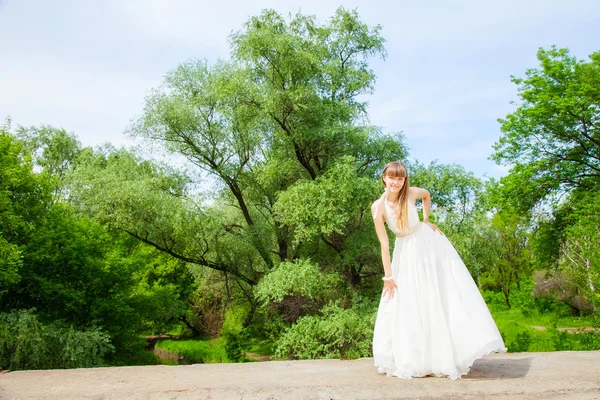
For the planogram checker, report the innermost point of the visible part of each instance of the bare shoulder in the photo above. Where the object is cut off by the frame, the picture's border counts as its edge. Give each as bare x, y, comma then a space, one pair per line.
415, 192
377, 208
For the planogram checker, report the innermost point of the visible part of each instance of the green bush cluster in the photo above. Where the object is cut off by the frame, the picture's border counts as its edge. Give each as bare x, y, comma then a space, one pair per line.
26, 343
300, 277
236, 345
523, 300
335, 333
521, 342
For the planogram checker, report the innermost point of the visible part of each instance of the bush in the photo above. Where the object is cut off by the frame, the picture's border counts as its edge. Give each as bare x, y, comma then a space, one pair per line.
296, 289
26, 343
336, 333
300, 278
523, 299
521, 343
519, 335
236, 345
563, 288
495, 300
564, 341
588, 341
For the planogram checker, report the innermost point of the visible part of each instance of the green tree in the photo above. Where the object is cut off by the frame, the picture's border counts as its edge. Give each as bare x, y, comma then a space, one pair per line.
280, 117
69, 267
23, 200
564, 245
53, 150
579, 252
283, 111
454, 191
553, 138
503, 247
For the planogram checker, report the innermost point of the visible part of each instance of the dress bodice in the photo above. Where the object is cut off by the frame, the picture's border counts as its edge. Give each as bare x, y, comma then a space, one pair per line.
391, 218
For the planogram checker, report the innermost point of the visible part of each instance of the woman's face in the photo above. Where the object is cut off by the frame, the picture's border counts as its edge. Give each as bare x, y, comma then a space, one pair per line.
394, 183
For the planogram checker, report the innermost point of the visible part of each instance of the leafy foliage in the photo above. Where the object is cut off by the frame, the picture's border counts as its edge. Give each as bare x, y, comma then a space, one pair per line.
332, 204
197, 351
23, 197
579, 252
337, 332
553, 138
26, 343
236, 345
301, 277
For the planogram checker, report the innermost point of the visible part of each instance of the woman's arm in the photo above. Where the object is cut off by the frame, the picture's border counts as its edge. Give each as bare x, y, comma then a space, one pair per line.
424, 195
377, 209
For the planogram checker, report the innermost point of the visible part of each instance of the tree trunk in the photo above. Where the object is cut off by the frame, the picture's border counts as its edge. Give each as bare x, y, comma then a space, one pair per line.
506, 292
194, 330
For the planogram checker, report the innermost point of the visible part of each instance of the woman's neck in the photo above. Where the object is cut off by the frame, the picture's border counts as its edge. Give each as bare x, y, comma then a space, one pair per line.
393, 197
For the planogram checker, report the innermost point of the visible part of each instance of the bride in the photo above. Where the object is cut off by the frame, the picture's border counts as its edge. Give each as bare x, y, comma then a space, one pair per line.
432, 319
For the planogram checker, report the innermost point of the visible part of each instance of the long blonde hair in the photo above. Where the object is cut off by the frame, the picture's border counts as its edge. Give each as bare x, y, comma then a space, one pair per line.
397, 169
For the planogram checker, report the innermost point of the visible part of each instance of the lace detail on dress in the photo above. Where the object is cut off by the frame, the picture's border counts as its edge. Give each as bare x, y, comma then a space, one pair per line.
410, 230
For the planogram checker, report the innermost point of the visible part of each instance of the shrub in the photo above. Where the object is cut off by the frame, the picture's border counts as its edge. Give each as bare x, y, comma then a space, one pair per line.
521, 343
296, 288
236, 344
301, 277
336, 333
26, 343
522, 299
196, 351
495, 300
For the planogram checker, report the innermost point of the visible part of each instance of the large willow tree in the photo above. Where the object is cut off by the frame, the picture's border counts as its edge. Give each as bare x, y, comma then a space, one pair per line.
279, 143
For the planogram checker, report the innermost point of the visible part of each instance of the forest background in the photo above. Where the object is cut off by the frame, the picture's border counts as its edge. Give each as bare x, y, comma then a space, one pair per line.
259, 238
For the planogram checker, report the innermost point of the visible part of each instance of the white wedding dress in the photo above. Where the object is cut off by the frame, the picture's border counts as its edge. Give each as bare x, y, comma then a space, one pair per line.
437, 322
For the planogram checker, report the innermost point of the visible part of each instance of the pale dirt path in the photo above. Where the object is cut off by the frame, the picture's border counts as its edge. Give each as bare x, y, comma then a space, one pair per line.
568, 330
558, 375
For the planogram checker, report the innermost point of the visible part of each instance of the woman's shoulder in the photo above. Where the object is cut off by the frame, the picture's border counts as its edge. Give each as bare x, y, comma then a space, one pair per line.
377, 207
379, 201
415, 192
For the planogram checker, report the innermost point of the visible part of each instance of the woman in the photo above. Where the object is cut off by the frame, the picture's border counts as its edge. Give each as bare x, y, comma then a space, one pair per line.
431, 319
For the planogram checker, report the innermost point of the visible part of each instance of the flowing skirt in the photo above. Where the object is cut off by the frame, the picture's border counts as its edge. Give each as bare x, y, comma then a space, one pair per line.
437, 323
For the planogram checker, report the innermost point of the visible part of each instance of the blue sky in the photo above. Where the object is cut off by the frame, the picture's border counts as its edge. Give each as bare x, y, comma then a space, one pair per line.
86, 65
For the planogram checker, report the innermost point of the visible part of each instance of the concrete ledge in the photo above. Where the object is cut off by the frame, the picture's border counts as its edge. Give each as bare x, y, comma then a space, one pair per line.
557, 375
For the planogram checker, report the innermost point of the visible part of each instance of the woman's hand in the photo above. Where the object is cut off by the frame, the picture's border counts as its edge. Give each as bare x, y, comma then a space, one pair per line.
435, 228
388, 288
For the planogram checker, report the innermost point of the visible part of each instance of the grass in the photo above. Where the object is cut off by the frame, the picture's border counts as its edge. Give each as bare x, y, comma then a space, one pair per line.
519, 335
197, 351
547, 320
206, 351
